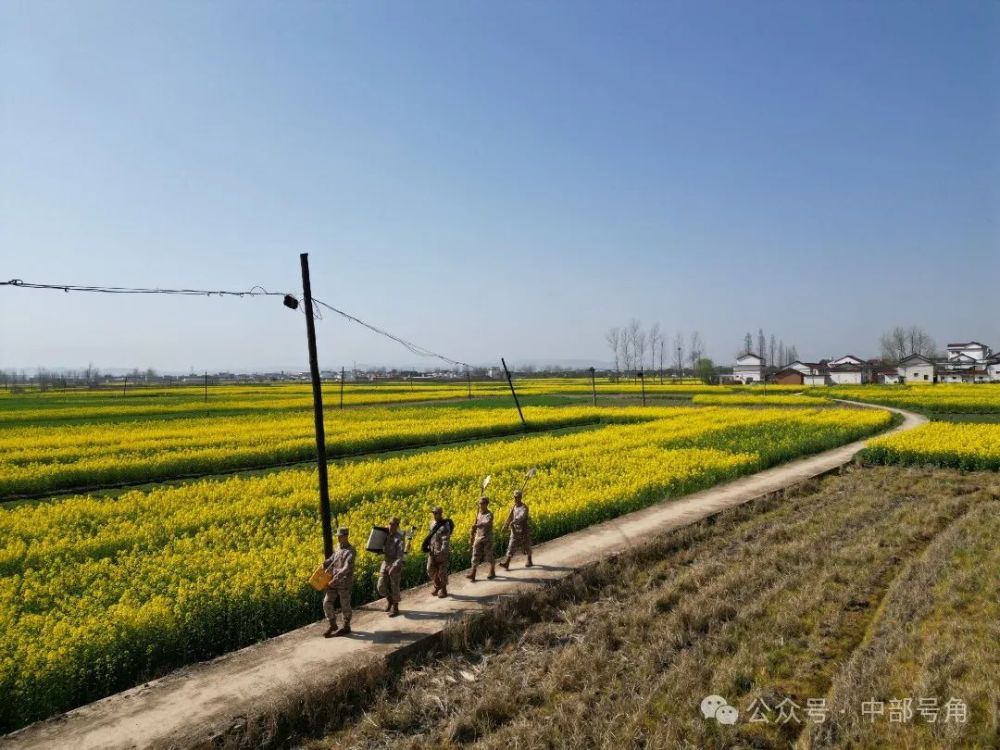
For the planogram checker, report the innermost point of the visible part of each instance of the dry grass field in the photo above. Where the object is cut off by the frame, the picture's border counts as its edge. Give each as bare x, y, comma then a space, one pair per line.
870, 600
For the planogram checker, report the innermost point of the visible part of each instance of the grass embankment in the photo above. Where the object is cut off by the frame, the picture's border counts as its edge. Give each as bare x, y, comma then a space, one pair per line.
877, 585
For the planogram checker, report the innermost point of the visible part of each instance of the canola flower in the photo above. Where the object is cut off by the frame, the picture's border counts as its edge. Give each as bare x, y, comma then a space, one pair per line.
937, 398
633, 387
757, 399
46, 459
153, 403
966, 446
98, 593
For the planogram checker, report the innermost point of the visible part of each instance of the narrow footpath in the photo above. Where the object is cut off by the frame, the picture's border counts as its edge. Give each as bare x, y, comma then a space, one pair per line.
207, 703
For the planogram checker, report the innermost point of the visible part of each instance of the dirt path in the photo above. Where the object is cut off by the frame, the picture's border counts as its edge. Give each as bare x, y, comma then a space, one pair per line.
219, 699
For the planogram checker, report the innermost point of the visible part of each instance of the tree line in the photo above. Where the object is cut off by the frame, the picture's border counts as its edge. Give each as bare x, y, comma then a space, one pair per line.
90, 376
900, 342
636, 349
773, 353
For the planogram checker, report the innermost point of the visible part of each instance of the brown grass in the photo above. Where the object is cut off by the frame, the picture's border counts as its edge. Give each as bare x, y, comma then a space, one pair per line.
880, 582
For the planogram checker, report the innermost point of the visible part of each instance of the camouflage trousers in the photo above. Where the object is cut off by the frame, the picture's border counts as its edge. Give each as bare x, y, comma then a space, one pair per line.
329, 604
520, 541
388, 584
482, 550
437, 569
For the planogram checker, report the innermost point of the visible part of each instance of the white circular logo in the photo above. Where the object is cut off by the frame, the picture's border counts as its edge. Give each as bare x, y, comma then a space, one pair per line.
710, 704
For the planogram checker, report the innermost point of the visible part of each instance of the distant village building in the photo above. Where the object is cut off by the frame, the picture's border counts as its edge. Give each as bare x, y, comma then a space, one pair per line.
813, 373
967, 362
788, 376
848, 370
993, 368
749, 368
885, 375
916, 369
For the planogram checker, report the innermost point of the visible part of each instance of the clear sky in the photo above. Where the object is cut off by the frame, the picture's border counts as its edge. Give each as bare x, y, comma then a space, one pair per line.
495, 178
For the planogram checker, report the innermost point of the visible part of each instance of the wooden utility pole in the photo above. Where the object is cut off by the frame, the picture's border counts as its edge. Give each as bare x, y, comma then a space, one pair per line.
124, 385
593, 385
206, 386
324, 489
514, 394
468, 377
642, 384
341, 387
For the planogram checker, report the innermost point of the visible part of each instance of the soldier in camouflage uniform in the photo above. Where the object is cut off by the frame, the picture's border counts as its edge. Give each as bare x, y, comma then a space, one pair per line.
391, 571
341, 566
437, 545
482, 539
518, 521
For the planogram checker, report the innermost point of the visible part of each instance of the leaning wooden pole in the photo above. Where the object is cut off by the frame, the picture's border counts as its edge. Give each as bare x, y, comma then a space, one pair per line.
324, 489
514, 393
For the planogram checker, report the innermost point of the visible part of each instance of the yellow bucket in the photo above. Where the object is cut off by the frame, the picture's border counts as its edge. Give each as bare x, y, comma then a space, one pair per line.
320, 579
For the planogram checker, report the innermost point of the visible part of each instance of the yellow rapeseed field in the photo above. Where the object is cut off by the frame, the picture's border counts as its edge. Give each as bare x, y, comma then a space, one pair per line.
757, 399
98, 593
35, 460
938, 398
967, 445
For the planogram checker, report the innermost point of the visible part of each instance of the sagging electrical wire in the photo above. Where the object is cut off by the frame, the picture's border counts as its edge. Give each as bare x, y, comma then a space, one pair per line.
420, 351
254, 291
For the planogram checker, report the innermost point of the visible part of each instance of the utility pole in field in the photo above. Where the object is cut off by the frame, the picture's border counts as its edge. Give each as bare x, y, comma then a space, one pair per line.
514, 393
317, 388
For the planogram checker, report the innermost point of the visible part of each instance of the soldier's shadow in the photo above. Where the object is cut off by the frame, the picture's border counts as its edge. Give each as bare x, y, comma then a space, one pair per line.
478, 598
387, 637
418, 614
540, 566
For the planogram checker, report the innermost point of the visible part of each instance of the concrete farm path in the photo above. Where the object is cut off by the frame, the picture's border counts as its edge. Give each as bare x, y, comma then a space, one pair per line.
214, 702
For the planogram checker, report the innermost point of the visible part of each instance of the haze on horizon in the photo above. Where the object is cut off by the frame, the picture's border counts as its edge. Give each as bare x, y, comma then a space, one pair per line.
494, 179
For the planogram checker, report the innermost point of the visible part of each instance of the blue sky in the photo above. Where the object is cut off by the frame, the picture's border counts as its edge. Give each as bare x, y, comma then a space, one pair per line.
495, 179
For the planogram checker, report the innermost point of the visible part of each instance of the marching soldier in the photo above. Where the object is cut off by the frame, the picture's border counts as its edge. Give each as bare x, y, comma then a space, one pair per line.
437, 545
391, 570
482, 539
518, 522
341, 566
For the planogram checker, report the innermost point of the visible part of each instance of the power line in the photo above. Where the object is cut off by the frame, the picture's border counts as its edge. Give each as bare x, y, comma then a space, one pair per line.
255, 291
420, 351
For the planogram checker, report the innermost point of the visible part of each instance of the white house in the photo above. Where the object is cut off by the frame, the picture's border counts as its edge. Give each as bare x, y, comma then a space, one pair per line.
813, 373
971, 350
847, 374
749, 368
993, 368
967, 362
916, 369
957, 374
848, 359
885, 375
849, 370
